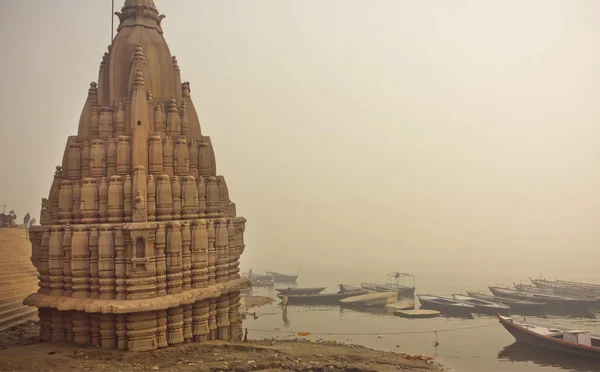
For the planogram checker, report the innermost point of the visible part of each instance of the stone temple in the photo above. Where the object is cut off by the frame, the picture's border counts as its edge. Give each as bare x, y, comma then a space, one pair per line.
139, 243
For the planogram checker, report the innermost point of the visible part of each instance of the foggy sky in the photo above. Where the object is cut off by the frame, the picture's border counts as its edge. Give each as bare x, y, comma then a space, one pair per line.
357, 133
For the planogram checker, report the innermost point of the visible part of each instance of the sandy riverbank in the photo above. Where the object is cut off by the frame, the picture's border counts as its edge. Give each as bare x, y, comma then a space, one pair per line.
21, 350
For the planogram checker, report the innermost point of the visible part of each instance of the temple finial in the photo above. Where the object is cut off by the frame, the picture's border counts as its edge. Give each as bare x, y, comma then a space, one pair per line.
139, 79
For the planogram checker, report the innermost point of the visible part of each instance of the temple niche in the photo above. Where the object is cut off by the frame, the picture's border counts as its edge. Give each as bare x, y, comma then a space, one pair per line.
139, 244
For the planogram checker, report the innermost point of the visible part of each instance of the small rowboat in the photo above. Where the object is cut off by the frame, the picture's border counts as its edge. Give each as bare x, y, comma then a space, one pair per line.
516, 305
575, 342
301, 291
445, 305
283, 278
320, 298
482, 306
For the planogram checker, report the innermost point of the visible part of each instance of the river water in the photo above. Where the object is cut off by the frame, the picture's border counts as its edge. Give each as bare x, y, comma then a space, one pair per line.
470, 345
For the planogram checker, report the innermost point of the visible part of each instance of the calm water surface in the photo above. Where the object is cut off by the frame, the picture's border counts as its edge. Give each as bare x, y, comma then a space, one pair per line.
483, 346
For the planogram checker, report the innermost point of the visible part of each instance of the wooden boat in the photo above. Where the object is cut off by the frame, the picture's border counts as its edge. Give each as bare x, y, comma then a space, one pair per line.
548, 298
482, 306
515, 304
321, 298
445, 305
556, 292
402, 283
283, 278
566, 288
575, 342
300, 291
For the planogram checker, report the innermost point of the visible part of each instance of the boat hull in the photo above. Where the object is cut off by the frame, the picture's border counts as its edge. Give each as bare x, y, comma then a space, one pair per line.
321, 298
531, 338
446, 309
403, 292
283, 278
300, 291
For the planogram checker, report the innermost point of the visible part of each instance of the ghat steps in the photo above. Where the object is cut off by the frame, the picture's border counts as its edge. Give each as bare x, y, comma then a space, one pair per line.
18, 277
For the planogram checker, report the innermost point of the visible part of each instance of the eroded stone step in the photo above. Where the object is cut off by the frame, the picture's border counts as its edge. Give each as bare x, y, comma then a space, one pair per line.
27, 314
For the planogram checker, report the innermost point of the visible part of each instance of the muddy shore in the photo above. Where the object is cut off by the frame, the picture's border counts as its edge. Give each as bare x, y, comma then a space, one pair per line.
22, 350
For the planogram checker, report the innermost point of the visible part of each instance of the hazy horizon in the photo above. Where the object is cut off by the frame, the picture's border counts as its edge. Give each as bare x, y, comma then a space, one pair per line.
356, 134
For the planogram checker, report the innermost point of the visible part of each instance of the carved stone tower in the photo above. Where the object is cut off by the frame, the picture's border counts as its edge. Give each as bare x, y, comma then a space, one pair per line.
139, 244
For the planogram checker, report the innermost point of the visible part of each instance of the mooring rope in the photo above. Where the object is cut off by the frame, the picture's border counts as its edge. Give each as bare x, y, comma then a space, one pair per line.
372, 334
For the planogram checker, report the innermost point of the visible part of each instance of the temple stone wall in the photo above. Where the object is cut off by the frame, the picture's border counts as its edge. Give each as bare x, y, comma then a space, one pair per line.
139, 243
18, 277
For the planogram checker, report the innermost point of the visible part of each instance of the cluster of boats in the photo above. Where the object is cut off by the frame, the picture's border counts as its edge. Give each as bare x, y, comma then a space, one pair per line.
402, 284
269, 278
540, 298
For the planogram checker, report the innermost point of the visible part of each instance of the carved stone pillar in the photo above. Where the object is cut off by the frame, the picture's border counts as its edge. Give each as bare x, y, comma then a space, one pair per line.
120, 273
212, 197
194, 167
151, 200
80, 263
65, 202
123, 156
173, 119
58, 326
68, 319
55, 262
120, 120
128, 199
174, 259
159, 121
111, 158
89, 201
161, 329
168, 157
44, 263
74, 161
222, 254
141, 331
85, 160
81, 328
67, 275
98, 159
210, 230
189, 199
108, 331
77, 201
94, 269
164, 198
186, 258
201, 197
204, 159
161, 263
103, 200
176, 191
122, 339
200, 321
199, 258
45, 323
155, 155
175, 325
116, 199
234, 318
187, 323
223, 318
181, 159
95, 329
106, 250
212, 319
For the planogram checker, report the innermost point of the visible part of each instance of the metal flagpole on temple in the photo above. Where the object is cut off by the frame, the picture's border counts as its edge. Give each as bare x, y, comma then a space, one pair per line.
112, 22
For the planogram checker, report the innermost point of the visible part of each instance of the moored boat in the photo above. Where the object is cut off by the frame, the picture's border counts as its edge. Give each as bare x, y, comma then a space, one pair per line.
573, 288
574, 294
300, 291
402, 283
284, 278
515, 304
575, 342
482, 306
445, 305
322, 298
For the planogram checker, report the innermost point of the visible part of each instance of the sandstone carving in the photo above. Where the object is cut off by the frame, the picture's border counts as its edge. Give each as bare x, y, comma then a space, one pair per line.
139, 245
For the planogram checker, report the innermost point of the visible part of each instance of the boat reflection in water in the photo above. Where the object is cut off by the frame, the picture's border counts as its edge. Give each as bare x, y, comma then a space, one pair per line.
519, 352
